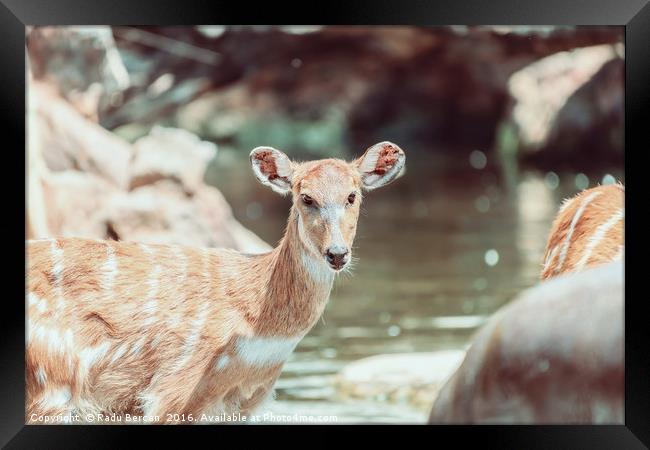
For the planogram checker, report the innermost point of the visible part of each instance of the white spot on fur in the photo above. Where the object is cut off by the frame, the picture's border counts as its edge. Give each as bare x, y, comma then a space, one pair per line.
156, 340
121, 350
153, 284
53, 339
205, 262
193, 337
174, 319
41, 376
90, 355
137, 347
149, 403
57, 270
574, 221
56, 398
550, 258
109, 269
39, 303
262, 351
222, 362
598, 236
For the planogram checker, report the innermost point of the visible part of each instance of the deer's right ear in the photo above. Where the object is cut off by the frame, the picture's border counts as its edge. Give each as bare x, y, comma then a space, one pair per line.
273, 168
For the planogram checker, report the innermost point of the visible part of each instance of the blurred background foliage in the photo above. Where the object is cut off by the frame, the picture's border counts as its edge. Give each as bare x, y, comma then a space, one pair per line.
142, 129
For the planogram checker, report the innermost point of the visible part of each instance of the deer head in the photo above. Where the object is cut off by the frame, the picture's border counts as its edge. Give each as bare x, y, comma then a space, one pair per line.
327, 194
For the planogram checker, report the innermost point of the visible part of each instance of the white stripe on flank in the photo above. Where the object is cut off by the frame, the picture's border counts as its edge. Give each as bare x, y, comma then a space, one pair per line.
39, 303
205, 262
565, 203
550, 258
56, 398
153, 282
120, 352
181, 259
90, 355
41, 376
598, 236
221, 363
193, 337
52, 338
156, 340
137, 347
57, 270
149, 403
109, 269
574, 221
262, 351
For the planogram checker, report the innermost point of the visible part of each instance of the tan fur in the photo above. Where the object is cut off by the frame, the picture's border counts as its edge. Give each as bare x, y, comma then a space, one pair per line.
606, 203
155, 329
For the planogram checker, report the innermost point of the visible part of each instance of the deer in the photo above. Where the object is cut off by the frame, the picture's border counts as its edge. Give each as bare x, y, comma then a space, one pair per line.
587, 231
169, 332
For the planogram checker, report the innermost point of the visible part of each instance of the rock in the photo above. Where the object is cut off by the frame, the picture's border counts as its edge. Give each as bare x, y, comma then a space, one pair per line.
82, 62
74, 203
569, 105
69, 141
553, 355
591, 124
413, 378
170, 153
163, 213
216, 211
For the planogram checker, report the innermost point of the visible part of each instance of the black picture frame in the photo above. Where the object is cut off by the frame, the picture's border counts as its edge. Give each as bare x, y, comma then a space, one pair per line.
634, 15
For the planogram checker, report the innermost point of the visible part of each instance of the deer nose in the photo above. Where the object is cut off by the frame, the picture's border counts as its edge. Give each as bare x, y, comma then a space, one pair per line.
337, 257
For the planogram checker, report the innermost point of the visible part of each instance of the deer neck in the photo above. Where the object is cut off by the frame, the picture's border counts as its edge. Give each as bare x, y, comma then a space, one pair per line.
300, 282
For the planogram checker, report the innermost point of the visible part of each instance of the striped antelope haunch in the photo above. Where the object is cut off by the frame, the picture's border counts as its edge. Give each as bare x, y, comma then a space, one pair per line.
158, 331
587, 231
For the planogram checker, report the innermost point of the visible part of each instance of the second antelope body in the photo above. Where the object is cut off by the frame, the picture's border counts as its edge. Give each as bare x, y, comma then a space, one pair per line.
160, 330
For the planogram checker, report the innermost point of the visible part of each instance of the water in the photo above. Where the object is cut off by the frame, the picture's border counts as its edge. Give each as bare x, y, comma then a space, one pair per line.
437, 254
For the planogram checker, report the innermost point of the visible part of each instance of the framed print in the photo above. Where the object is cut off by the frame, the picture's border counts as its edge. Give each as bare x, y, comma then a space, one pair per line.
369, 214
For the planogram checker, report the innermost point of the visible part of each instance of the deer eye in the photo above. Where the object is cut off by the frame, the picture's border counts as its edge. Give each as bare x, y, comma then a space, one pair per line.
351, 198
307, 200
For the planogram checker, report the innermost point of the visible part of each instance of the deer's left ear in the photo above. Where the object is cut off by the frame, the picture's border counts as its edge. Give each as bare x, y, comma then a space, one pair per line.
272, 168
380, 164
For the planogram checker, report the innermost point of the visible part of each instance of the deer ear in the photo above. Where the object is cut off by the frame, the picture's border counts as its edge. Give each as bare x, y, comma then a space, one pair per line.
380, 164
273, 168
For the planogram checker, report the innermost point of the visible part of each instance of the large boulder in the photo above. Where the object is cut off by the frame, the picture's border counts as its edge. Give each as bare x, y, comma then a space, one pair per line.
170, 153
69, 141
413, 378
553, 355
163, 213
75, 201
569, 106
82, 62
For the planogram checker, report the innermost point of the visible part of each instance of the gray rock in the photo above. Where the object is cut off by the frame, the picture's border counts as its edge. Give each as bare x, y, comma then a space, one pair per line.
170, 153
412, 378
69, 141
